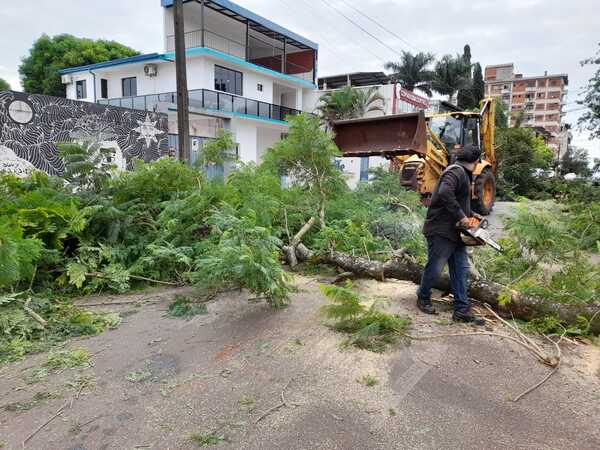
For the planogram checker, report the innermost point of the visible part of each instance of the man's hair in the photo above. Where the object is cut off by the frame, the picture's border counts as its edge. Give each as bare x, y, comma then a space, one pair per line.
469, 153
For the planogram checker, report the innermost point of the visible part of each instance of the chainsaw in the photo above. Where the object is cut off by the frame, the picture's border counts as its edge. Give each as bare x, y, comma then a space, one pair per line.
478, 235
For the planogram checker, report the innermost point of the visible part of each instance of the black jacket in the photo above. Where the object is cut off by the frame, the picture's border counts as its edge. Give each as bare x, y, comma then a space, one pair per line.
450, 202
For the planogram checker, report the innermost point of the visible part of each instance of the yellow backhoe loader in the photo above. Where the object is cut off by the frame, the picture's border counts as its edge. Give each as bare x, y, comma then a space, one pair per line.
420, 147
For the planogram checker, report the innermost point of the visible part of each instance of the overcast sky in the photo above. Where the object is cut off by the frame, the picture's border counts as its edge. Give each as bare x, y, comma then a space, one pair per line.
537, 35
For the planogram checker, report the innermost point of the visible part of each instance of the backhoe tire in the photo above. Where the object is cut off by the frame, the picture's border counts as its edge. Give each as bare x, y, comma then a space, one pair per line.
485, 191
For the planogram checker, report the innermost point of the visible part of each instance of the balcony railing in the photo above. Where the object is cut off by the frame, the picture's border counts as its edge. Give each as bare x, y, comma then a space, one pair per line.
271, 56
207, 100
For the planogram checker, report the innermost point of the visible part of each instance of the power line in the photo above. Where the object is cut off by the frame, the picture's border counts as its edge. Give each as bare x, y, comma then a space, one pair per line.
366, 16
358, 42
361, 27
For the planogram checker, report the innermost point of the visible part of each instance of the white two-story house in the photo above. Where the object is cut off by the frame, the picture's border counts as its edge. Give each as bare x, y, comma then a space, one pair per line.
245, 74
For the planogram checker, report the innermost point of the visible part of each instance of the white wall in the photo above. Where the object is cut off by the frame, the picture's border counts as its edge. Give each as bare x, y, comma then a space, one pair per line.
89, 78
246, 136
267, 137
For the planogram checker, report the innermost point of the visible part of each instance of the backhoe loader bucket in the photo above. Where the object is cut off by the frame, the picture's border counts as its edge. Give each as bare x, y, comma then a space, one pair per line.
388, 136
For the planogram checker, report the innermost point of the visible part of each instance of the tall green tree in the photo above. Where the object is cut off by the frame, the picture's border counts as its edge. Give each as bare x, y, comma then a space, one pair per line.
501, 118
465, 98
575, 160
413, 71
450, 75
590, 120
48, 55
521, 156
478, 89
4, 86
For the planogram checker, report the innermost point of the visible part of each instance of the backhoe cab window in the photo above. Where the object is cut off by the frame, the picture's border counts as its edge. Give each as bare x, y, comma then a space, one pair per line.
448, 129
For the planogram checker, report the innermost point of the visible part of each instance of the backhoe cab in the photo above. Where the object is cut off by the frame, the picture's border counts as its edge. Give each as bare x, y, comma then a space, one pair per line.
421, 147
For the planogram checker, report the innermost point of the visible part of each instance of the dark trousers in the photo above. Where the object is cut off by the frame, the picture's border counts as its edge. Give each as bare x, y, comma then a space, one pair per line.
442, 251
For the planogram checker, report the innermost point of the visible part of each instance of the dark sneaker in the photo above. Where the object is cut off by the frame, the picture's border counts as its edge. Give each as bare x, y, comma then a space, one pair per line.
425, 306
467, 318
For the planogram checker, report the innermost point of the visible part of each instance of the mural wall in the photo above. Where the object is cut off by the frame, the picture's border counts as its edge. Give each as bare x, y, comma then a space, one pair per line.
32, 125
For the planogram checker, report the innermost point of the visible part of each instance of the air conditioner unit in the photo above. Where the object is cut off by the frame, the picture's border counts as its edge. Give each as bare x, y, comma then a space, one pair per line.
150, 70
66, 79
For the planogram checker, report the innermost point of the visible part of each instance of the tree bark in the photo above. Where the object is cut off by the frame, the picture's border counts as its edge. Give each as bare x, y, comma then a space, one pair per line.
403, 267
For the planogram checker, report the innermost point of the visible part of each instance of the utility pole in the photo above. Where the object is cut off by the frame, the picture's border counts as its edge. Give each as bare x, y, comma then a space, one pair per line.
183, 101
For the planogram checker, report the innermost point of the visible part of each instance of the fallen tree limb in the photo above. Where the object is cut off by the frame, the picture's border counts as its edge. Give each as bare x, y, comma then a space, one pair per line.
33, 314
403, 267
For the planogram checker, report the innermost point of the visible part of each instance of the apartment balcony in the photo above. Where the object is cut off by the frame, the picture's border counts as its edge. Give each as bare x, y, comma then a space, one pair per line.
232, 30
257, 52
207, 100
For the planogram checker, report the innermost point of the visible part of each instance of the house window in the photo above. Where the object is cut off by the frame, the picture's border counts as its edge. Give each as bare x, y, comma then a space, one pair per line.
103, 88
259, 87
227, 80
129, 87
364, 168
81, 88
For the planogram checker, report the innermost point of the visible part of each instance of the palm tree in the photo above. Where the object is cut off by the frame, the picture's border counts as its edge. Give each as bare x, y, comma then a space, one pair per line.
349, 103
451, 75
412, 71
337, 105
367, 100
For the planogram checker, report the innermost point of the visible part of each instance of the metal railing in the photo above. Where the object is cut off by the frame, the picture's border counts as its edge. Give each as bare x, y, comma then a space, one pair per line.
208, 100
215, 41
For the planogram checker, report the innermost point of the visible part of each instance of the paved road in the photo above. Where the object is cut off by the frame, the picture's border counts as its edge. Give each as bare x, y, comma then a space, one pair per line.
221, 372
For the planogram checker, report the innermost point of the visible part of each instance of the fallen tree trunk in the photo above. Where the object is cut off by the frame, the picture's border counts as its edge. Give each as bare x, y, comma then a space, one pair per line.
404, 267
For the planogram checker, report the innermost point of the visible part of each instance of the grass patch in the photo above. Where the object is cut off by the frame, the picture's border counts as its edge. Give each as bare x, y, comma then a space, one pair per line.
77, 358
368, 380
368, 328
186, 308
139, 376
206, 439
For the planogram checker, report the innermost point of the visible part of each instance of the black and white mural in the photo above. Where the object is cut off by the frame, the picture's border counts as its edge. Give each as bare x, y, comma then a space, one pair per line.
32, 125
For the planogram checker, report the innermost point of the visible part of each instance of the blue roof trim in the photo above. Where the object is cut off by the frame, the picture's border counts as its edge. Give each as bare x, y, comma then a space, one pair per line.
114, 62
255, 18
242, 62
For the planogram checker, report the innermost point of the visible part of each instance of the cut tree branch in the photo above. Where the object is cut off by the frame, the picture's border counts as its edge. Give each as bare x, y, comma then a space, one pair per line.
403, 267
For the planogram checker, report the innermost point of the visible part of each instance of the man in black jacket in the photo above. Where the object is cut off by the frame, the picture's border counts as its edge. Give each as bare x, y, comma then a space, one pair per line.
450, 204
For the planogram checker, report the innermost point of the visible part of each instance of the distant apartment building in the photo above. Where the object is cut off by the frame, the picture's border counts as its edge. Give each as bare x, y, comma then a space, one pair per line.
540, 99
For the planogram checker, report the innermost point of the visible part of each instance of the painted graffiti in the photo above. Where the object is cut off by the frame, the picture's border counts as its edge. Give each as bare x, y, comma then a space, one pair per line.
31, 126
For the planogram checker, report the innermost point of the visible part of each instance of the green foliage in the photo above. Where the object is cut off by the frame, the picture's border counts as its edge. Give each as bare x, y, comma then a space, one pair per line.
77, 358
139, 376
4, 86
368, 380
218, 151
20, 334
550, 325
155, 182
575, 160
246, 255
450, 75
307, 157
86, 165
349, 237
349, 103
39, 70
522, 159
206, 439
17, 254
369, 328
412, 71
186, 308
590, 119
501, 117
